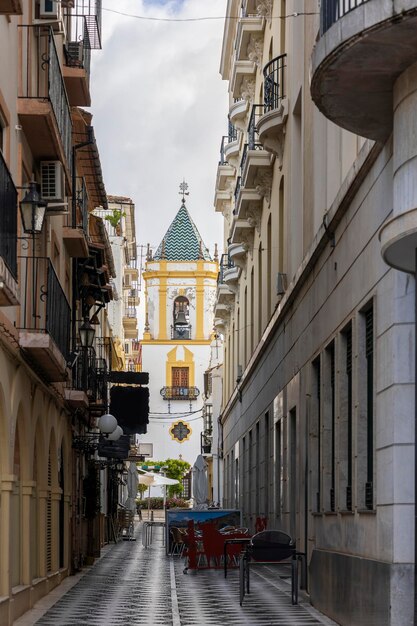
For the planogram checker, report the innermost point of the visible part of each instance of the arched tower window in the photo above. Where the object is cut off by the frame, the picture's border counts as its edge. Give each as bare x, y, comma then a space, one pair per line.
181, 328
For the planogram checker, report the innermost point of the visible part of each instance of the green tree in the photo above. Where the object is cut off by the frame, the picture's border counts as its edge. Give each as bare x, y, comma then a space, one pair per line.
114, 217
172, 468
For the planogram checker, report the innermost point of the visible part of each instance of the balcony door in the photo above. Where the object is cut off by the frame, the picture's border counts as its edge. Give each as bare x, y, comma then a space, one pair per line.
180, 377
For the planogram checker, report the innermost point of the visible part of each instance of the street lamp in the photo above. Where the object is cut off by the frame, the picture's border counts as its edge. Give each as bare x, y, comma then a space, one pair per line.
32, 209
87, 334
108, 430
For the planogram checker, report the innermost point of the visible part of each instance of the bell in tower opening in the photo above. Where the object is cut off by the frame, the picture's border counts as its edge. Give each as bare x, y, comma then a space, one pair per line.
182, 327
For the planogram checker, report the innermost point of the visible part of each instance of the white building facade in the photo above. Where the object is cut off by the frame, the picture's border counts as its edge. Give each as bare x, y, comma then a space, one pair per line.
180, 287
316, 185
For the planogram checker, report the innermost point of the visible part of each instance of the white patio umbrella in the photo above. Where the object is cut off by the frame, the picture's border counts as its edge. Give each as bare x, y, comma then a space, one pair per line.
200, 484
132, 486
144, 479
162, 481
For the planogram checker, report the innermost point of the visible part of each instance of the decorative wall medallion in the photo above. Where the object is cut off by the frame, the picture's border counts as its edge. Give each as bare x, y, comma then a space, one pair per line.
180, 431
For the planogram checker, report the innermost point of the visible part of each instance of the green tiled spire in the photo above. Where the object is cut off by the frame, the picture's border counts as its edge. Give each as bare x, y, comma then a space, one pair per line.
182, 241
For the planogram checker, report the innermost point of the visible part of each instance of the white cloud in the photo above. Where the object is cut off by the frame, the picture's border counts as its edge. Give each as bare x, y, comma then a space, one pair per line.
159, 111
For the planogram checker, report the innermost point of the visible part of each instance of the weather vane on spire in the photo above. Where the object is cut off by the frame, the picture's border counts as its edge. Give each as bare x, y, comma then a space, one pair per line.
183, 190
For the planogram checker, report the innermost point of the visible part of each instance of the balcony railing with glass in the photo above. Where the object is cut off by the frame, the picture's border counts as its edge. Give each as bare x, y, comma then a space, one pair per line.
42, 80
8, 219
332, 10
180, 393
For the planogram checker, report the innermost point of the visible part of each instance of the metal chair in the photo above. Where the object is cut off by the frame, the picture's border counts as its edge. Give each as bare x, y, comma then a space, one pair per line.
177, 541
269, 547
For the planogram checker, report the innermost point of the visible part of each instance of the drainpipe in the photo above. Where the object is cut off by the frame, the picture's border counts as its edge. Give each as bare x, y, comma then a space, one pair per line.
89, 142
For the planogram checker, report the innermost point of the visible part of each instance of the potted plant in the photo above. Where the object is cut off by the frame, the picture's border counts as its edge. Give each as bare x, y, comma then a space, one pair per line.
114, 218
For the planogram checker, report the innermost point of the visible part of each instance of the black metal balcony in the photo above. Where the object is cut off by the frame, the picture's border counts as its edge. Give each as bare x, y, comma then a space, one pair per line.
226, 263
90, 375
180, 393
45, 317
274, 87
232, 134
8, 219
333, 10
78, 62
237, 189
44, 305
88, 12
225, 141
43, 88
352, 77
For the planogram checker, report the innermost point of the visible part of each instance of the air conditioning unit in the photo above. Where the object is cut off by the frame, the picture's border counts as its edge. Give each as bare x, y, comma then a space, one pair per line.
52, 181
50, 10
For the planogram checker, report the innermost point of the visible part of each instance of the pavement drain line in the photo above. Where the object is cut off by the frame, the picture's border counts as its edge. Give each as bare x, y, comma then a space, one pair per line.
174, 597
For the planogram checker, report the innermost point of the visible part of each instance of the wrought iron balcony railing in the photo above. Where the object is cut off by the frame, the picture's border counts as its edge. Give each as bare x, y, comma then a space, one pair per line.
89, 374
180, 393
225, 141
274, 87
43, 80
8, 219
232, 132
237, 188
332, 10
44, 305
78, 50
88, 13
226, 263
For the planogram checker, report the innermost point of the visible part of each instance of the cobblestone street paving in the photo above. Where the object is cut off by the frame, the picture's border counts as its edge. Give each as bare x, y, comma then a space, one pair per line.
131, 585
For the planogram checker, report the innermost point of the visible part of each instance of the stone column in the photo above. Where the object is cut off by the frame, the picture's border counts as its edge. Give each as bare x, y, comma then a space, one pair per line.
27, 530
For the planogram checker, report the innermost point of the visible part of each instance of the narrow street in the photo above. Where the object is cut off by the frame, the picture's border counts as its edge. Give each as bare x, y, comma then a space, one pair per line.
132, 585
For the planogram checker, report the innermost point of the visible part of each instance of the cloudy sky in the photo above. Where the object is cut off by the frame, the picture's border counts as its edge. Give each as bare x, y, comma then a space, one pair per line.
160, 109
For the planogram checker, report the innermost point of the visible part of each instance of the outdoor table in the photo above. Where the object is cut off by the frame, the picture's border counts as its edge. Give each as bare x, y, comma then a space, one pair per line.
230, 542
147, 532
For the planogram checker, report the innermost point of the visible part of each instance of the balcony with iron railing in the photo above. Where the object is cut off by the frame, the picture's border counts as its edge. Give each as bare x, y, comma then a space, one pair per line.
238, 112
8, 237
225, 293
75, 232
225, 171
255, 159
77, 57
43, 106
88, 384
364, 46
45, 317
247, 197
180, 393
272, 122
91, 11
229, 150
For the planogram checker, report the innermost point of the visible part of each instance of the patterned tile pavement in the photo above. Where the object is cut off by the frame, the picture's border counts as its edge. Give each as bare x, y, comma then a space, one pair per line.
133, 585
